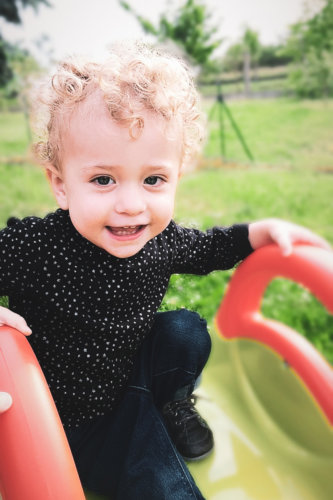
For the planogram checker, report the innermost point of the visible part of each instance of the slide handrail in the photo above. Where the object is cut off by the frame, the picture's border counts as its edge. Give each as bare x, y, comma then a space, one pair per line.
239, 314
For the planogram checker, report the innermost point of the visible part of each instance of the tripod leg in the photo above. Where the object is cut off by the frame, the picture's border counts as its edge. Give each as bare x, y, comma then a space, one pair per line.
212, 112
238, 132
218, 108
222, 130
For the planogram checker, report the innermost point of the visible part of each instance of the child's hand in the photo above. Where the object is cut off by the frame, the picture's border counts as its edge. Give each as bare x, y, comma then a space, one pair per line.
14, 320
284, 234
5, 401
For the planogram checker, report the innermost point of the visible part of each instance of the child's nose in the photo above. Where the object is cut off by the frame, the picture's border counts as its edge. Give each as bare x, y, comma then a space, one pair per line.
130, 201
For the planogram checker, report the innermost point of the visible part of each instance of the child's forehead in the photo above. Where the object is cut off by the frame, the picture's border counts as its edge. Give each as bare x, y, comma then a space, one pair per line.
91, 123
95, 110
89, 112
92, 105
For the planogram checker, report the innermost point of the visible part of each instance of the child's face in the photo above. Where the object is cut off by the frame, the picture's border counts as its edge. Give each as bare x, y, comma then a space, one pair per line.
120, 192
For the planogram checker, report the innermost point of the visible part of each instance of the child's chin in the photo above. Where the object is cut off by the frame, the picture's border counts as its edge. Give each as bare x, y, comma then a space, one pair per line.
125, 253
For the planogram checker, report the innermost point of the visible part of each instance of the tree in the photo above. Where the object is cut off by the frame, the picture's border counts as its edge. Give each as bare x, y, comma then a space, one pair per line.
273, 55
6, 72
23, 66
310, 46
244, 54
10, 11
251, 52
233, 58
189, 27
269, 56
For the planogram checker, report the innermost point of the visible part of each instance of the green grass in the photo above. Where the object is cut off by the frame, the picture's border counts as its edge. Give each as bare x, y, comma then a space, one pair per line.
23, 191
14, 135
283, 132
250, 193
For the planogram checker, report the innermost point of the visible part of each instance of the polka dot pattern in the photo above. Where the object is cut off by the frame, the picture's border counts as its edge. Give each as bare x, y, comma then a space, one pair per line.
90, 311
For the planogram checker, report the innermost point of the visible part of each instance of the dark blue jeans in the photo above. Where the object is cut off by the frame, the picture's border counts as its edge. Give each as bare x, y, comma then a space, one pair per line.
128, 455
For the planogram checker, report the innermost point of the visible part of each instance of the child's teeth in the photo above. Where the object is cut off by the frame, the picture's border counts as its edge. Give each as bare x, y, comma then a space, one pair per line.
125, 230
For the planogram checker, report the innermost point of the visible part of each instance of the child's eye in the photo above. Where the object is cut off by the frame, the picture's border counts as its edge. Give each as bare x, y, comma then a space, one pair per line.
103, 180
153, 180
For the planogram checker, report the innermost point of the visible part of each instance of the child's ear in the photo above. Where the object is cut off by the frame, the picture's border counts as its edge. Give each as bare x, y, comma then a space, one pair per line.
58, 186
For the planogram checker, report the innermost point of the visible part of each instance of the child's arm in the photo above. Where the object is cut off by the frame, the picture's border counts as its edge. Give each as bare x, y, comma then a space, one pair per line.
284, 234
8, 317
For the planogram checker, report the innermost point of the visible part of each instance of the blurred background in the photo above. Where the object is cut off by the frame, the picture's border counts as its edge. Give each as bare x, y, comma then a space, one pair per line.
265, 72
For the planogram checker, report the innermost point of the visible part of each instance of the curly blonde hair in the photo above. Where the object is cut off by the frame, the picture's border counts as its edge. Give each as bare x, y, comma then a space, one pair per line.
134, 79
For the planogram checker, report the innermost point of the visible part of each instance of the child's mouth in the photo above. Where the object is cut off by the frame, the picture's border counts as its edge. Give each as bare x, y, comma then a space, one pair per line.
125, 230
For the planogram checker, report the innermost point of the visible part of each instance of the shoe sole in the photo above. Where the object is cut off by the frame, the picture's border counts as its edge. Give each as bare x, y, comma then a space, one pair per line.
200, 457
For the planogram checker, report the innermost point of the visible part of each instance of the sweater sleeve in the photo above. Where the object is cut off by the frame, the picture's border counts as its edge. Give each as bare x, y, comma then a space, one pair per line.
20, 254
219, 248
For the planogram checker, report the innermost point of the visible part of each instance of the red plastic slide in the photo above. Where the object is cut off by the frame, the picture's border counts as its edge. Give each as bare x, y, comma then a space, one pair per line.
35, 459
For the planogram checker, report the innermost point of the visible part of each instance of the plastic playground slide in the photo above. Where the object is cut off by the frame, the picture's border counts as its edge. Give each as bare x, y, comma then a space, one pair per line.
266, 392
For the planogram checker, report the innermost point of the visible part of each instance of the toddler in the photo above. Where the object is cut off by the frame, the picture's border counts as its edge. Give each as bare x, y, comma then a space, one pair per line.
89, 278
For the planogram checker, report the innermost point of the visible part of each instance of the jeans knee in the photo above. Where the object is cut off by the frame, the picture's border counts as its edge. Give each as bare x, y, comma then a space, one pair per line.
186, 330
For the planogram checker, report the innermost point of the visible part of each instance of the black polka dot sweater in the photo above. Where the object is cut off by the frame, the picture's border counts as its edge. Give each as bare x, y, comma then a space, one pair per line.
88, 310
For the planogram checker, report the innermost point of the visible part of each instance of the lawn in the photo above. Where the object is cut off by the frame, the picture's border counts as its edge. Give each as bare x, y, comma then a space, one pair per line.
14, 134
281, 132
291, 179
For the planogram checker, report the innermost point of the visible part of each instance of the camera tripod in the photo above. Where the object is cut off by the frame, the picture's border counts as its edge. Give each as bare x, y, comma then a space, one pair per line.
222, 109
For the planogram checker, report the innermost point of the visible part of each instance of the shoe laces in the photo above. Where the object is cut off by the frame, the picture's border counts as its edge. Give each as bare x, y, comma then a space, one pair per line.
183, 410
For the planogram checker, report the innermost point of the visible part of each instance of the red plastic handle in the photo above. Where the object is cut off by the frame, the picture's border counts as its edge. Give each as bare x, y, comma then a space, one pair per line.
35, 459
239, 313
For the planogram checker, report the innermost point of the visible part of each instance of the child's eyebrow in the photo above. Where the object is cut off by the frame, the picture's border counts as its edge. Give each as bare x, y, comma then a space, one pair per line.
93, 168
161, 167
158, 166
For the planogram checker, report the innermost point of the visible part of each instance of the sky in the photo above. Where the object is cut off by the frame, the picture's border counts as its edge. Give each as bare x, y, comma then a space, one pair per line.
89, 26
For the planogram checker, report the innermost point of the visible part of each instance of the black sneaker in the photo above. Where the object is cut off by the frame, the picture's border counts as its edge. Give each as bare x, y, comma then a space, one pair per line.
188, 430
